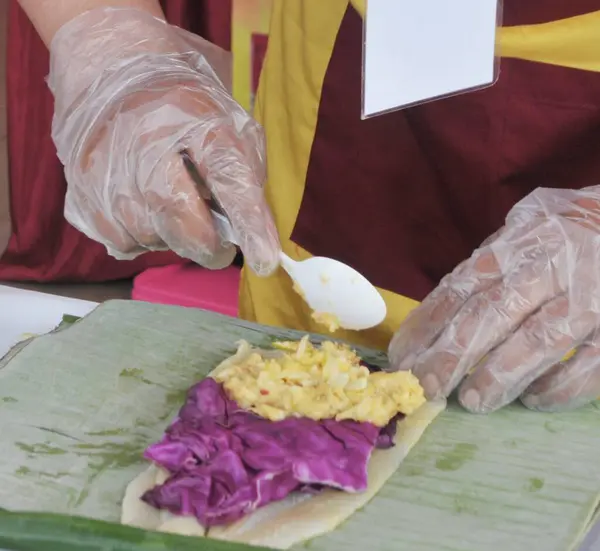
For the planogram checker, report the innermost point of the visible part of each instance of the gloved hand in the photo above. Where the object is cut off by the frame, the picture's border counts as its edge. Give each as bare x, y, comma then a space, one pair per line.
508, 316
131, 92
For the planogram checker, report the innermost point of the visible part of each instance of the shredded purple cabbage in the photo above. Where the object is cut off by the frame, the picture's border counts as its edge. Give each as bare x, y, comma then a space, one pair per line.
226, 462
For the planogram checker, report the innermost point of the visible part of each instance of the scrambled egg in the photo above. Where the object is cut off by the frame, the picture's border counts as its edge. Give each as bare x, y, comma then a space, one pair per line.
328, 320
325, 382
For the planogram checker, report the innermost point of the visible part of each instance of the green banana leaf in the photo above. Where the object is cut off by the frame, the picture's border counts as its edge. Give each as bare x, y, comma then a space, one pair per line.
79, 406
37, 532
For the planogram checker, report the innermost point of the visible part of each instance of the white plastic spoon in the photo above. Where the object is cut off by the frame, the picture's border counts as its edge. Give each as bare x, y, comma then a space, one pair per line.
332, 287
328, 286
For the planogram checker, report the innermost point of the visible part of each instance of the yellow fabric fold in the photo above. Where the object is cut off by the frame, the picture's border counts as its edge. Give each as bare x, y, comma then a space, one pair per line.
572, 42
360, 6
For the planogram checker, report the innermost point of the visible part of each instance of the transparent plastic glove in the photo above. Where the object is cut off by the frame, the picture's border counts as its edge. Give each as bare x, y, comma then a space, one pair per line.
506, 317
131, 92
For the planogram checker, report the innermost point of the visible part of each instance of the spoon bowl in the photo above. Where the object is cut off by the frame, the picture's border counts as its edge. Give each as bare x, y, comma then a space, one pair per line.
328, 286
332, 287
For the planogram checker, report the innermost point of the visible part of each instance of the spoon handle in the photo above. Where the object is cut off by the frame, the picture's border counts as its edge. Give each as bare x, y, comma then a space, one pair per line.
287, 263
220, 218
224, 227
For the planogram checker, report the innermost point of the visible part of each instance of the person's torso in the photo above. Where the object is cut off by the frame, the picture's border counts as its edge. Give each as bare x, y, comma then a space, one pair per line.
406, 196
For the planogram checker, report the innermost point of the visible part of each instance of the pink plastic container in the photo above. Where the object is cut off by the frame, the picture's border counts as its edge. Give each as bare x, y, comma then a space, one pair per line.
191, 286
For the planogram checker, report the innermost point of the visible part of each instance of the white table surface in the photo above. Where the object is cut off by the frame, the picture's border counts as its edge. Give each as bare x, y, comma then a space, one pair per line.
23, 312
592, 541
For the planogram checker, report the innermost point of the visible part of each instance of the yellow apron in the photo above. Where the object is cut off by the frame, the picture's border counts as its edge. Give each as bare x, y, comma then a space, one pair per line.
301, 40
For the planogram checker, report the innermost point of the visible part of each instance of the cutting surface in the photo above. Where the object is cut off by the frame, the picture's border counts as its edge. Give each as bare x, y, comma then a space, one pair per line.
110, 384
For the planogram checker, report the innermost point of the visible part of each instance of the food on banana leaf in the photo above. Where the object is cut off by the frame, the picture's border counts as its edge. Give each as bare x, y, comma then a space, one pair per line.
272, 434
227, 462
328, 381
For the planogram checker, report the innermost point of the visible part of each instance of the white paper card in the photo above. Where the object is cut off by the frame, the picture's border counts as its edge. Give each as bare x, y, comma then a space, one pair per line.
418, 50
